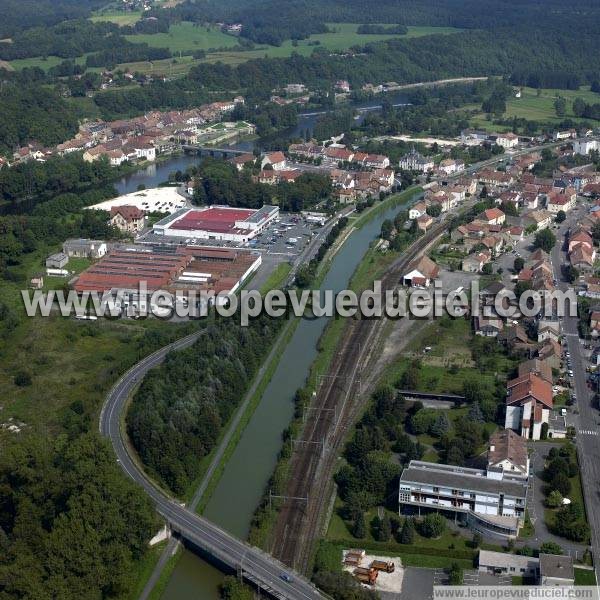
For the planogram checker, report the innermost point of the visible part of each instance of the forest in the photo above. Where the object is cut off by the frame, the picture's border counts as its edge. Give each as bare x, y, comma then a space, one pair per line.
31, 112
70, 524
181, 407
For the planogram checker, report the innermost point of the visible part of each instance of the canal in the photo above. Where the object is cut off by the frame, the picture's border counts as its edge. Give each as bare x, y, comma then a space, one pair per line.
240, 489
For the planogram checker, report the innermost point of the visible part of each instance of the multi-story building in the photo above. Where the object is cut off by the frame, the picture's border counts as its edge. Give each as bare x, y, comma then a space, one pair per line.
491, 501
415, 161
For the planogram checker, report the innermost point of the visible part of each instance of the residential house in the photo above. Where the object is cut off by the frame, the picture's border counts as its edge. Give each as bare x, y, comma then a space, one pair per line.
551, 352
276, 160
539, 367
268, 177
377, 161
450, 166
474, 262
495, 178
129, 219
582, 258
242, 160
337, 154
516, 233
556, 570
507, 453
84, 248
487, 326
492, 216
424, 222
507, 140
415, 161
528, 405
557, 201
421, 272
417, 210
57, 260
548, 329
540, 219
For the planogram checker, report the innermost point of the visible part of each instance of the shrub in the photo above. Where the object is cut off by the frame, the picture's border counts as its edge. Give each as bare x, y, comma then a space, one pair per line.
433, 525
22, 379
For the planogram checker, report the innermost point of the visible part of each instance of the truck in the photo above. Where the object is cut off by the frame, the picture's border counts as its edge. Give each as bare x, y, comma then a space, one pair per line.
366, 575
387, 566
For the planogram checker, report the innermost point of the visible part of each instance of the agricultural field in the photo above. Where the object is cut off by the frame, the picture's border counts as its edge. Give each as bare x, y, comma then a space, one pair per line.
536, 106
187, 36
119, 17
341, 37
43, 62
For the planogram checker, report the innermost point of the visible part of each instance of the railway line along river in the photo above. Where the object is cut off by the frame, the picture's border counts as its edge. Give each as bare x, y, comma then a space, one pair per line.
239, 491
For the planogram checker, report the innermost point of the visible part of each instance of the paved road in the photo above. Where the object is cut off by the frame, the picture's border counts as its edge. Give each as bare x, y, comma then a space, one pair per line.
255, 565
586, 422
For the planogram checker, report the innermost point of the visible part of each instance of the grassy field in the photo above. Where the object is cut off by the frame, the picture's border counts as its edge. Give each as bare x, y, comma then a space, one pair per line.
43, 62
342, 37
119, 17
187, 36
449, 363
540, 107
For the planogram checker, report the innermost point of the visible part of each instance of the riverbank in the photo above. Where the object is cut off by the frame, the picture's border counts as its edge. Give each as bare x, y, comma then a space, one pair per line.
266, 514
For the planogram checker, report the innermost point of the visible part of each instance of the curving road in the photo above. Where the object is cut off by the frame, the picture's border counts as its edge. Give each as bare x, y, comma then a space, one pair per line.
255, 565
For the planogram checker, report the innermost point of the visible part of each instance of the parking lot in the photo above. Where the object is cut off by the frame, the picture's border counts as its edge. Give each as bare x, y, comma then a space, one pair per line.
286, 237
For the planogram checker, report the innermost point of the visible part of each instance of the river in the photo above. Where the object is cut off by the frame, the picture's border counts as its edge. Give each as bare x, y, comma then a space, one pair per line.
154, 174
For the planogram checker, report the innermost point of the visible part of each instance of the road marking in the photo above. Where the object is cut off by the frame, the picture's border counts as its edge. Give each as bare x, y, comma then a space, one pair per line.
587, 432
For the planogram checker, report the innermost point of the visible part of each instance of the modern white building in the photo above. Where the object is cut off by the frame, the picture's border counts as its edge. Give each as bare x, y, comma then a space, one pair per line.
222, 223
491, 501
584, 147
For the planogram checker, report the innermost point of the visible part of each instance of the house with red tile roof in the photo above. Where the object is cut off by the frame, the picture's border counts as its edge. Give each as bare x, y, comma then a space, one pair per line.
528, 405
275, 159
493, 216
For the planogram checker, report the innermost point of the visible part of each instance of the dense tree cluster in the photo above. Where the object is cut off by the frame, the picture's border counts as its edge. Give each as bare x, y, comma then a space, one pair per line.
71, 525
219, 182
33, 113
569, 519
17, 15
177, 414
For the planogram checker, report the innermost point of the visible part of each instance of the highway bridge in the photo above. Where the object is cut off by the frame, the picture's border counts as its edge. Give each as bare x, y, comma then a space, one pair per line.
269, 575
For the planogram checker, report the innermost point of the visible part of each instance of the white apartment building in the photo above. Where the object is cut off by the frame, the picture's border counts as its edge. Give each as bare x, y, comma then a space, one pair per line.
491, 501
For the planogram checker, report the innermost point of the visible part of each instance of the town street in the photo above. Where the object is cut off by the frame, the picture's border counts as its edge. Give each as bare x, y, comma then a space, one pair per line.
586, 422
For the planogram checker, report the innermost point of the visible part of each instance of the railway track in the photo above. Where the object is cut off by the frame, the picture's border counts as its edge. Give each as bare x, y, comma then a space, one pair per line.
313, 460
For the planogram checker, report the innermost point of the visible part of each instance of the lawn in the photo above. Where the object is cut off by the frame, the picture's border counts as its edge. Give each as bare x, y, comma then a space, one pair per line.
187, 36
584, 576
424, 552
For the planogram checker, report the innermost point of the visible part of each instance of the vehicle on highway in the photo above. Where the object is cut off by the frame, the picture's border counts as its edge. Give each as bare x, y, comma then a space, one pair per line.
285, 577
